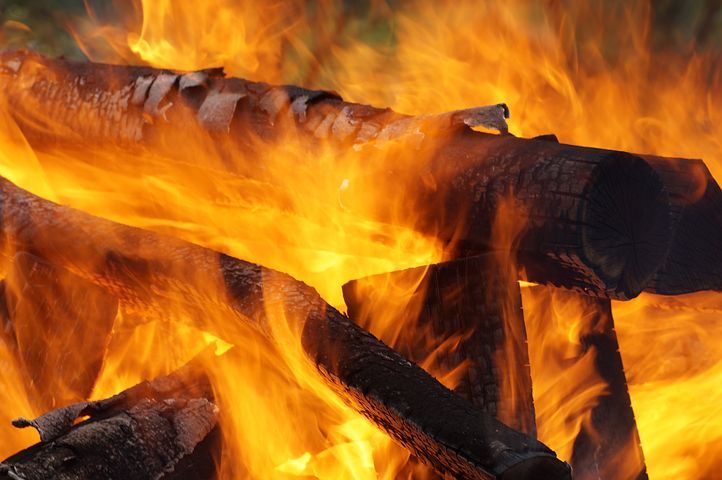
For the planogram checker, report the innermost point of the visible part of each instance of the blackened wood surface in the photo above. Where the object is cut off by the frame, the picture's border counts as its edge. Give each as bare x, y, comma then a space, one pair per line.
464, 314
62, 325
187, 383
144, 442
599, 220
162, 428
146, 271
695, 257
608, 446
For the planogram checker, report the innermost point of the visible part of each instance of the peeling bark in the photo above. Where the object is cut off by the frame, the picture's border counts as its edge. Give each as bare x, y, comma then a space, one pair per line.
598, 220
163, 428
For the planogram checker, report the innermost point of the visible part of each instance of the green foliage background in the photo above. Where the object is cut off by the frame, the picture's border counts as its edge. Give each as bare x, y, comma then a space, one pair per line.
47, 20
678, 25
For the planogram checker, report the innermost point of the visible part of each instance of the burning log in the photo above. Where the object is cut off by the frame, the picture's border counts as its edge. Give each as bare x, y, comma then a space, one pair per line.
598, 220
695, 257
145, 271
608, 445
694, 260
156, 429
464, 314
46, 309
143, 442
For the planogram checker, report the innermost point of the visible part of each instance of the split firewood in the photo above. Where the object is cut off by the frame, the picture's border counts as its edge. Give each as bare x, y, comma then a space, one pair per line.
598, 220
157, 429
608, 445
60, 326
459, 316
146, 271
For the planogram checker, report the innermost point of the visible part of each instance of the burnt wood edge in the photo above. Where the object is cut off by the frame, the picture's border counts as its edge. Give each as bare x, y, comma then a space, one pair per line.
148, 270
567, 245
475, 301
164, 428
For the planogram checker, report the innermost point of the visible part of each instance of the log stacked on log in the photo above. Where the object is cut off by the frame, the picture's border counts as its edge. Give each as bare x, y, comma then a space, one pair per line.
605, 223
599, 221
607, 446
145, 270
460, 315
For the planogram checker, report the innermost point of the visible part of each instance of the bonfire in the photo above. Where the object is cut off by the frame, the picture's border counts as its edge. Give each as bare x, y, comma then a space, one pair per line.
323, 240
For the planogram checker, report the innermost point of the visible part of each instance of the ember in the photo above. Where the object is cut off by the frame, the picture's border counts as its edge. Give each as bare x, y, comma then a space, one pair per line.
181, 241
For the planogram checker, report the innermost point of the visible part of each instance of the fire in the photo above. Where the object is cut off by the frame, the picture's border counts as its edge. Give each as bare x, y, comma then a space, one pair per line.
586, 71
673, 364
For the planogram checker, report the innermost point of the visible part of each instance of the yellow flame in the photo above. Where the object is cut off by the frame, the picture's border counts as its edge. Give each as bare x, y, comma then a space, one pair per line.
673, 360
582, 70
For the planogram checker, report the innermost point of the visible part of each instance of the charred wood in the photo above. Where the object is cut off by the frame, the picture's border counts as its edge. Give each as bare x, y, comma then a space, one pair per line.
607, 446
598, 220
144, 442
694, 261
459, 316
165, 428
146, 270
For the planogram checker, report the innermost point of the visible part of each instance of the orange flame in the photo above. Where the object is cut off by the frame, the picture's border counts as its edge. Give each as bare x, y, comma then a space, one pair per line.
583, 70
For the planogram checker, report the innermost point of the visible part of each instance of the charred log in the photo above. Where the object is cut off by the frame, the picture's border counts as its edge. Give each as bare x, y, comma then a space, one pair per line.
608, 445
695, 257
165, 428
61, 326
145, 270
693, 262
598, 220
144, 442
463, 315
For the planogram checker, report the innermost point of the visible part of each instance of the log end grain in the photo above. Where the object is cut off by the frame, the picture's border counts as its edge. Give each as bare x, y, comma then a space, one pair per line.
627, 224
694, 262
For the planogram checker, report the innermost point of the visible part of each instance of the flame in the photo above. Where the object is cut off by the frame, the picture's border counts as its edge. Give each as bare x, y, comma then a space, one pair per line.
674, 362
566, 385
587, 71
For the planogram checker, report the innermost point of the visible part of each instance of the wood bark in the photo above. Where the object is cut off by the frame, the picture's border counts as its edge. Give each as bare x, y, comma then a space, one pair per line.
460, 315
145, 271
607, 446
597, 220
165, 428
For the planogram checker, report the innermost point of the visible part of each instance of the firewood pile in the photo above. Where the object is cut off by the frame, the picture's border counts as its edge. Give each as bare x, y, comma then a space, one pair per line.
599, 224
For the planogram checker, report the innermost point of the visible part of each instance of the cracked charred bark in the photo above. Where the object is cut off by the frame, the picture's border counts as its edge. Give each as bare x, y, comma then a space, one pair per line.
164, 428
145, 271
598, 220
463, 315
